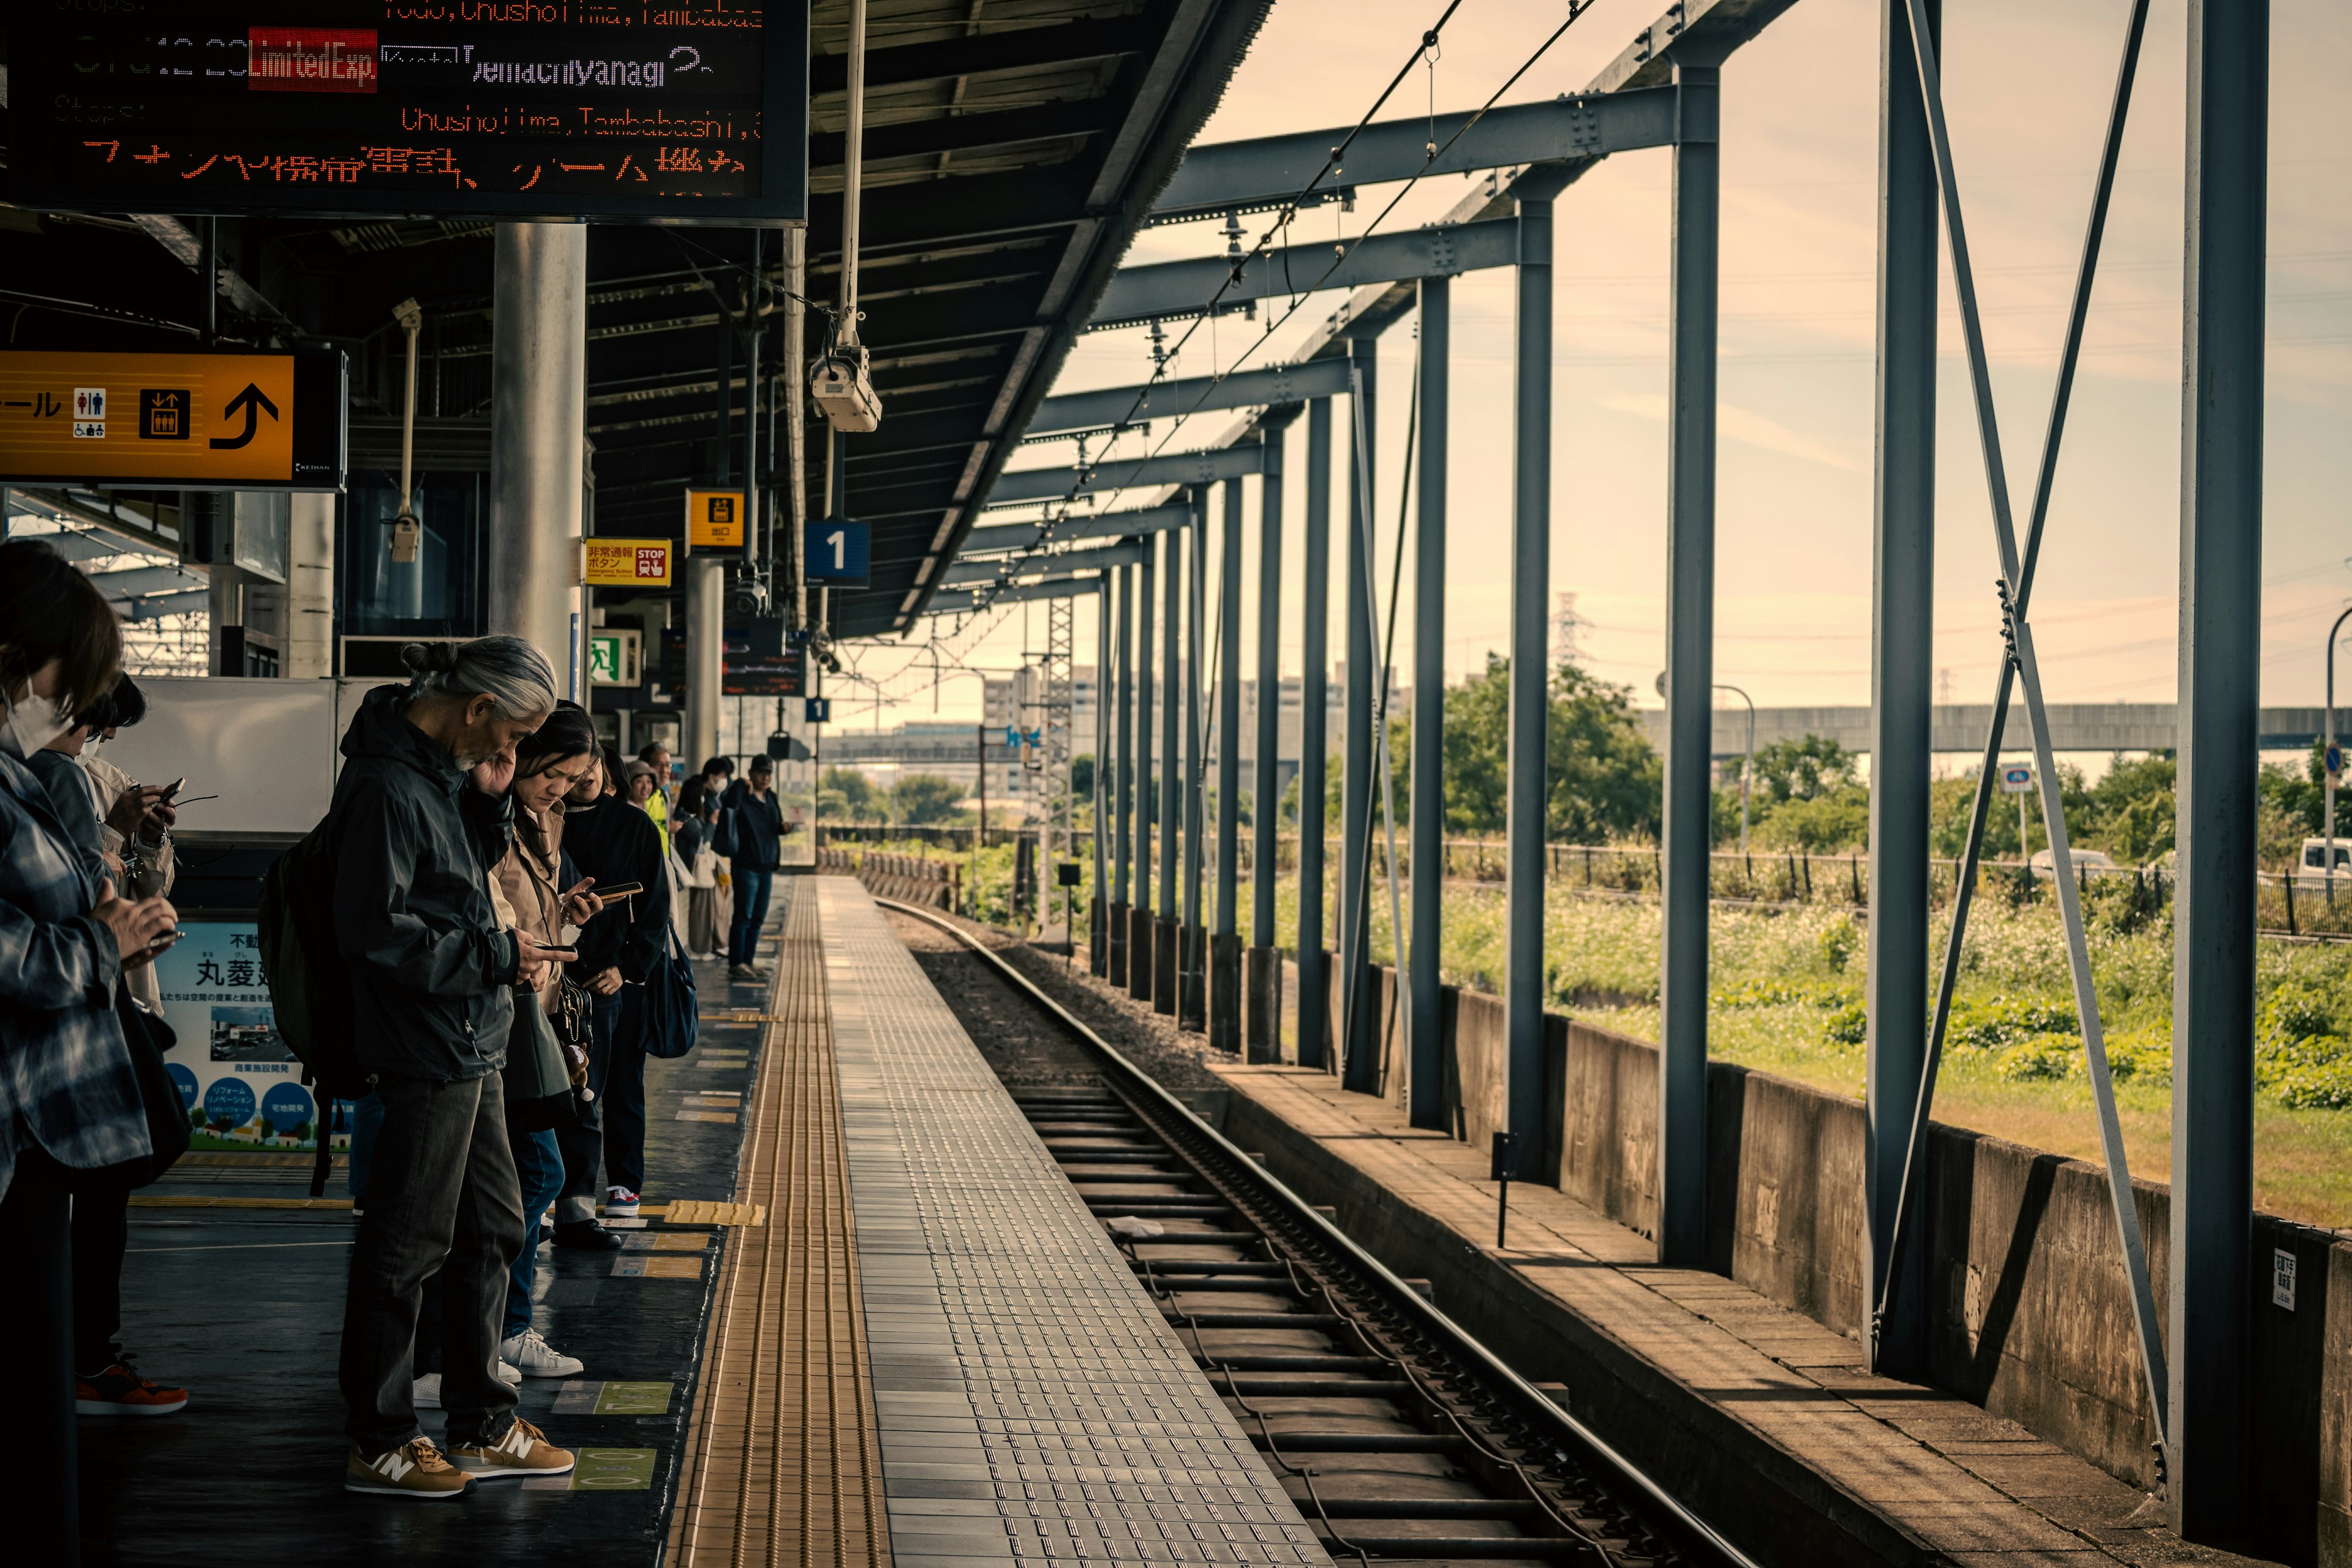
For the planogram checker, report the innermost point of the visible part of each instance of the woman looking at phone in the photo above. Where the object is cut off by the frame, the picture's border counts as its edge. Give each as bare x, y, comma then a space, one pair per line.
538, 884
69, 1090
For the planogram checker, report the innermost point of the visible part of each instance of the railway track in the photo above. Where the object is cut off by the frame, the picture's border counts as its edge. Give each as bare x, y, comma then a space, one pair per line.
1400, 1437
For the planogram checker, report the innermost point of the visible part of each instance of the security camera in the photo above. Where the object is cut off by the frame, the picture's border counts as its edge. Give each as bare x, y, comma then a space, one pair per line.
844, 390
747, 597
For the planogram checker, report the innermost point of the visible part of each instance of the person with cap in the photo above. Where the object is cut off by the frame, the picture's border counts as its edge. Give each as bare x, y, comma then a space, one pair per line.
759, 829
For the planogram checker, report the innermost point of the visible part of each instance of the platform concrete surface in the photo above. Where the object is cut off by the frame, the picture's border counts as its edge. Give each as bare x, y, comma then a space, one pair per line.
1761, 1417
1032, 1403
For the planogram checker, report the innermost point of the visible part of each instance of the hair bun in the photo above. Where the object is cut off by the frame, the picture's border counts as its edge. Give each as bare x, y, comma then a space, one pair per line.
429, 658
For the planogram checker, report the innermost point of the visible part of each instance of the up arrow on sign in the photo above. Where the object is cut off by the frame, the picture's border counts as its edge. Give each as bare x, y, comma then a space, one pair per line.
837, 552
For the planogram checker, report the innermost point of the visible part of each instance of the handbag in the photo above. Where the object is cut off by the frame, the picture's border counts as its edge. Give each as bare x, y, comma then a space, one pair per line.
148, 1037
576, 1028
537, 1077
722, 834
670, 1020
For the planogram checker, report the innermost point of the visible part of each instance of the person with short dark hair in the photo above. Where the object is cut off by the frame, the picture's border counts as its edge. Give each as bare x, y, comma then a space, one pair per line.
612, 841
655, 759
759, 827
433, 971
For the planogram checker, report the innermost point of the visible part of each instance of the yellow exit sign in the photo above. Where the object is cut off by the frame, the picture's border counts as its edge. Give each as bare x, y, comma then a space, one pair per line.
185, 421
714, 520
625, 562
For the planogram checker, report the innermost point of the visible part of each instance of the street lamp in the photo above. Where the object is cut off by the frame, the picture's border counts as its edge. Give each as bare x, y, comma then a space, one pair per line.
1748, 759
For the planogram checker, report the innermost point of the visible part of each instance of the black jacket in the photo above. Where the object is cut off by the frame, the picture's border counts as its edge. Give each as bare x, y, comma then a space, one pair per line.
431, 970
612, 841
759, 827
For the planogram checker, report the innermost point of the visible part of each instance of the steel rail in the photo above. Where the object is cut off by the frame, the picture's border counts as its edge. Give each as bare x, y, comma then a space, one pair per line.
1543, 1419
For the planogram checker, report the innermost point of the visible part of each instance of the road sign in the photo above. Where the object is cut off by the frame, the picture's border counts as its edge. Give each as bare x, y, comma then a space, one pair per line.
837, 551
216, 421
819, 711
2331, 762
625, 562
615, 656
353, 108
714, 521
2016, 778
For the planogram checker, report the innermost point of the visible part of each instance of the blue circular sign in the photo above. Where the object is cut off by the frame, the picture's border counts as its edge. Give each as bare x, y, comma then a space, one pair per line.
286, 1107
188, 1082
228, 1103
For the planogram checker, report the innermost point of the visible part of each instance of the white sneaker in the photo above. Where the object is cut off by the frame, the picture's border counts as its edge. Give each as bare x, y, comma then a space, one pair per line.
537, 1358
425, 1392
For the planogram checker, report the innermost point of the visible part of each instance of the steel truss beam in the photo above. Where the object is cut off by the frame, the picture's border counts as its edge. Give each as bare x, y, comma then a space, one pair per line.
963, 601
962, 573
1020, 536
1266, 171
1135, 473
1272, 386
1169, 290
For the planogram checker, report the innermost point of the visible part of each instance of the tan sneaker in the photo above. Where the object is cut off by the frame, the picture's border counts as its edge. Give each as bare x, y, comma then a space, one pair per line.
523, 1451
415, 1469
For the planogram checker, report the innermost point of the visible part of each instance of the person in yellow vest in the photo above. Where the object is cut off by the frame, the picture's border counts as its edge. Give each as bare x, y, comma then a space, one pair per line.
657, 756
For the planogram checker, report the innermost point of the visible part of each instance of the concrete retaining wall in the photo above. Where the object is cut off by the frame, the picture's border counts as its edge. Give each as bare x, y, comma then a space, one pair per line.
2029, 1311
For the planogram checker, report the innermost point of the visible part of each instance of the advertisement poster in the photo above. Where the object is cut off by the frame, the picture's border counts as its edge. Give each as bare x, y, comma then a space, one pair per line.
240, 1082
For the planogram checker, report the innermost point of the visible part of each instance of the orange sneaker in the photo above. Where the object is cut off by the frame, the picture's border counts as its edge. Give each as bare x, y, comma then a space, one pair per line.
120, 1391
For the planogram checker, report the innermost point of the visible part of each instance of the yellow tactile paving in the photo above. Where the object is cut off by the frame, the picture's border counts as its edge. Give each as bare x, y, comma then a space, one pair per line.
783, 1460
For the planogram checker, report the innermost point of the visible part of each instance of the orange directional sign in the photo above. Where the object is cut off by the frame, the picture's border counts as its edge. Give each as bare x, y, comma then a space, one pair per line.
195, 421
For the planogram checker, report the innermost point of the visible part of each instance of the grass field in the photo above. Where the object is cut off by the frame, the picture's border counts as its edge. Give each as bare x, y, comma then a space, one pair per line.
1786, 998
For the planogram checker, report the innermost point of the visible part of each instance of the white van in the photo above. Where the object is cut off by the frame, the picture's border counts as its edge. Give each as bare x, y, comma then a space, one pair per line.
2313, 862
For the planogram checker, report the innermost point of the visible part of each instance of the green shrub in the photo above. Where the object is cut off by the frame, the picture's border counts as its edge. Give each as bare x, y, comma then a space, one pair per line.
2041, 1056
1839, 941
2002, 1021
2318, 1086
1849, 1025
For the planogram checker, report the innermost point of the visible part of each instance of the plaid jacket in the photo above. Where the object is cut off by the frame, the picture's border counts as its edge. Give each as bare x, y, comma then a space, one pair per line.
67, 1084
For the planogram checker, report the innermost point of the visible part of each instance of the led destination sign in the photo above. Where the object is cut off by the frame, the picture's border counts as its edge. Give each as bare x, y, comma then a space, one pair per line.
615, 109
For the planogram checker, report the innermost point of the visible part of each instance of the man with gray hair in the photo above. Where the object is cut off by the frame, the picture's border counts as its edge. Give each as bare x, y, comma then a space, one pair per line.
432, 977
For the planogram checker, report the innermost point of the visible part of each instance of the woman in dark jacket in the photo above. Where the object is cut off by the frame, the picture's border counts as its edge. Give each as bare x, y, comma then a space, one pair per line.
68, 1095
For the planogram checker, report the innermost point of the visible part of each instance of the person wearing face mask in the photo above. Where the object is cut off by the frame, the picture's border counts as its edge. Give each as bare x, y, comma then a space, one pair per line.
107, 1381
433, 971
612, 841
69, 1090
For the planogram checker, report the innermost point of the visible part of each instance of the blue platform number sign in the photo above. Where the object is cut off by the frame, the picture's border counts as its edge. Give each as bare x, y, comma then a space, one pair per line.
837, 552
820, 710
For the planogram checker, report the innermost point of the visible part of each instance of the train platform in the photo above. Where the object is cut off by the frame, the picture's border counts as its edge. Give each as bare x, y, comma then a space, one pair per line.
865, 1321
1758, 1414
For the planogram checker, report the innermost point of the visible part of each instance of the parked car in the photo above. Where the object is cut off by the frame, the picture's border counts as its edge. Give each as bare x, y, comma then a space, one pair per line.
2314, 863
2097, 862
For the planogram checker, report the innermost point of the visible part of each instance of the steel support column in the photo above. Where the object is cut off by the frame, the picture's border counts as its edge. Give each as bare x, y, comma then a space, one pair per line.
1164, 950
2221, 668
1142, 931
1902, 599
539, 413
1262, 982
1098, 925
1360, 1063
1115, 698
706, 638
1192, 1003
1314, 763
1687, 840
1530, 693
1225, 939
1425, 1096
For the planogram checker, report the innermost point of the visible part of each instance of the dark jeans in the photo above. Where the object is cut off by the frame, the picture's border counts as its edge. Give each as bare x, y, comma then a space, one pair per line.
612, 1130
37, 1325
751, 885
442, 1195
101, 1228
367, 1121
539, 1163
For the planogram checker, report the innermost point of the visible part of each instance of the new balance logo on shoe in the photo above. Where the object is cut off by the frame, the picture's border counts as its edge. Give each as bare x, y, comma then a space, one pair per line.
415, 1469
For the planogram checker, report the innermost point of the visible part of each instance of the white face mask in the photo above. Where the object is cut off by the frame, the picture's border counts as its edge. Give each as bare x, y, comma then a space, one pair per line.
33, 722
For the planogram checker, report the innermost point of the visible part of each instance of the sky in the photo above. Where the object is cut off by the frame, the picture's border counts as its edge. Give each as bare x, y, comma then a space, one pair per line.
2028, 86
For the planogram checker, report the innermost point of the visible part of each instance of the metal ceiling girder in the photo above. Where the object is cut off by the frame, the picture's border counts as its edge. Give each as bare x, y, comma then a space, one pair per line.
1139, 473
1272, 387
965, 572
1171, 290
1019, 536
131, 581
965, 601
1267, 171
156, 607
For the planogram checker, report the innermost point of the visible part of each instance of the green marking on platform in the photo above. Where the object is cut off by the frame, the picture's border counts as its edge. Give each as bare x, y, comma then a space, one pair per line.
632, 1399
615, 1470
